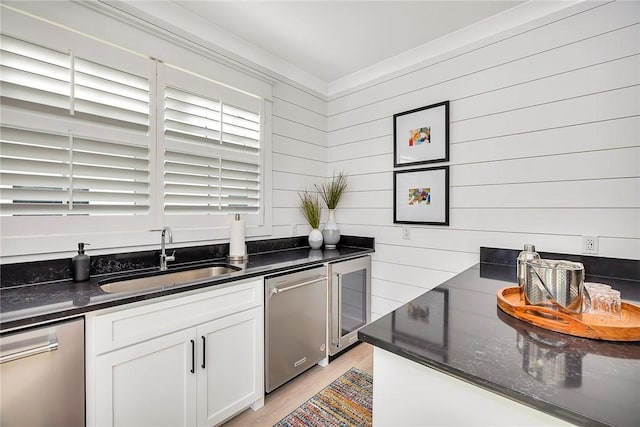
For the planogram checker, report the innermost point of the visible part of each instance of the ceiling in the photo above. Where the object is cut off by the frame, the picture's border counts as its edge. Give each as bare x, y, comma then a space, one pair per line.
334, 39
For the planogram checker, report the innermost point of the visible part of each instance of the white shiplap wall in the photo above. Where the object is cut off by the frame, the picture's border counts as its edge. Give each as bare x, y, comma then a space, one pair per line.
545, 131
299, 154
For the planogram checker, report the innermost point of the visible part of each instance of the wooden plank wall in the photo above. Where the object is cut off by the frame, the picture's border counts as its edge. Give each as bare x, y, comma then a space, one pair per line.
299, 150
545, 131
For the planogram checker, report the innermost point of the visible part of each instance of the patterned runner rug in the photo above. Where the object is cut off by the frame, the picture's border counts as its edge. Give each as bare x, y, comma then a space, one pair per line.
345, 402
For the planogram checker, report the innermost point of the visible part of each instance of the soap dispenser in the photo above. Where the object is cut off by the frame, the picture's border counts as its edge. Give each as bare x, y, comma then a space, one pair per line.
80, 264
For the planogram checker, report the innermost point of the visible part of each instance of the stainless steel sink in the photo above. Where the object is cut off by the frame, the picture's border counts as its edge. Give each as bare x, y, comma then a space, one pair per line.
166, 280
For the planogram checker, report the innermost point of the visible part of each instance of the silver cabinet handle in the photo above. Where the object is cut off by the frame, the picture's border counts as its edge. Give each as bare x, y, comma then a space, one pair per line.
299, 285
52, 346
339, 334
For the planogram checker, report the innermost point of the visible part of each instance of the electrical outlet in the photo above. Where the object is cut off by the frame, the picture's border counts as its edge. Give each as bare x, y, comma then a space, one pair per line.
294, 230
406, 232
590, 245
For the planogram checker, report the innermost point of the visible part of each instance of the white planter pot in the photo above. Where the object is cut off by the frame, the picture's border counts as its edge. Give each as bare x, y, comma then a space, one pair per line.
315, 239
331, 232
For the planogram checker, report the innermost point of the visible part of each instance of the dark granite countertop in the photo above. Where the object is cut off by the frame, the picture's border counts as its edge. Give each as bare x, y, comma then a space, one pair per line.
458, 329
38, 302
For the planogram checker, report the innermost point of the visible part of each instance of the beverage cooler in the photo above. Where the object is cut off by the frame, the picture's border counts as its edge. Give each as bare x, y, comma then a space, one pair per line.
350, 301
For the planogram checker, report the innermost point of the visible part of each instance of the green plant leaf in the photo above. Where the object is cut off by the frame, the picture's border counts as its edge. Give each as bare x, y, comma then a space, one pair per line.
331, 191
310, 206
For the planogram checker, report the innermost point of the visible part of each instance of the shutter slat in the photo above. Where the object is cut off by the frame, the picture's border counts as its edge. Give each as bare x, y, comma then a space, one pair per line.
30, 180
34, 98
27, 79
192, 120
35, 66
105, 73
191, 190
184, 129
101, 159
112, 185
191, 199
33, 137
34, 51
174, 177
27, 166
241, 123
108, 147
173, 106
29, 152
244, 144
106, 172
34, 195
109, 197
92, 95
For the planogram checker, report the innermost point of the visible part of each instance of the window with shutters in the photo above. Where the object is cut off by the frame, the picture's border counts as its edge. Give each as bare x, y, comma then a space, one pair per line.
85, 137
212, 155
212, 151
76, 165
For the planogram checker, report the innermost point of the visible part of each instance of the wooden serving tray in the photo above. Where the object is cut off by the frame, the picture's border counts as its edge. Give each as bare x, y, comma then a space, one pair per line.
586, 325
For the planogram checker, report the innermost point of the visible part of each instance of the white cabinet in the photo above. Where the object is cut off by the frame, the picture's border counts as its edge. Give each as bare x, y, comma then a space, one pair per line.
229, 380
185, 361
148, 384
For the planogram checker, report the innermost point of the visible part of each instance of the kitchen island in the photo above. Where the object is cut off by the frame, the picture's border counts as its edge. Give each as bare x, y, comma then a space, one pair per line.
452, 357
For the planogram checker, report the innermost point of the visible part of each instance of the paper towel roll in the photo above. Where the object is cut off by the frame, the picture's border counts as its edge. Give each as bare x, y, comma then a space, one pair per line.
237, 247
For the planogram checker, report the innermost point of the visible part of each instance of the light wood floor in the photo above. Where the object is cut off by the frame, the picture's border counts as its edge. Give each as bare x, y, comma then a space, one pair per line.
297, 391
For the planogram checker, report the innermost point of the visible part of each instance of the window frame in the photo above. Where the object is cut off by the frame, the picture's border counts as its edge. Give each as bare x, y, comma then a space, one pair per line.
47, 236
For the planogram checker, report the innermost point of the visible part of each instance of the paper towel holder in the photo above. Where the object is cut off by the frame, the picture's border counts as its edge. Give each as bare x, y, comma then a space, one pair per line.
236, 257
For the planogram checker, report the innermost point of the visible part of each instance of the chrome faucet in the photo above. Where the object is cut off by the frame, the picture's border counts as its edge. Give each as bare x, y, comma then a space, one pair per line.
163, 256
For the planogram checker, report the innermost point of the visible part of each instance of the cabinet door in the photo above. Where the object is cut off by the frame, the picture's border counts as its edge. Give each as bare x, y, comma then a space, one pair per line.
230, 365
148, 384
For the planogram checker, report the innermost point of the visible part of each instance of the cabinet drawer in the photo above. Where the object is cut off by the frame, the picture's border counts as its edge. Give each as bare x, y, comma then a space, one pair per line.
128, 326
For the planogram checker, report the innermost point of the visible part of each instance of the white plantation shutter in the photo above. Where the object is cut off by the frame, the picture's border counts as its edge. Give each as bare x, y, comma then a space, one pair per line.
44, 171
212, 152
34, 75
48, 174
43, 79
104, 93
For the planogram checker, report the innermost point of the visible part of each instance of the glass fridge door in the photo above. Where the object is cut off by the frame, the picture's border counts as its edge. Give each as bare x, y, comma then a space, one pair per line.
353, 301
350, 301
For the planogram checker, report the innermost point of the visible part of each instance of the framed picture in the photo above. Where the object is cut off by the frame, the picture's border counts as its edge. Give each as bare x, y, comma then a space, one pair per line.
421, 135
421, 196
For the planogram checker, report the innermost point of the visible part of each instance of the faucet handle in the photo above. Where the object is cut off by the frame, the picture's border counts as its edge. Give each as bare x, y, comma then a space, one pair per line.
171, 257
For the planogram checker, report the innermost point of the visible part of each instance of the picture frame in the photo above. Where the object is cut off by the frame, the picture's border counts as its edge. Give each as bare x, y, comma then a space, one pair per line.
421, 196
421, 135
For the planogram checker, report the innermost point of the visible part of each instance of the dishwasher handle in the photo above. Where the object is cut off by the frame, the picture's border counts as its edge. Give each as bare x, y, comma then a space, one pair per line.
51, 346
298, 285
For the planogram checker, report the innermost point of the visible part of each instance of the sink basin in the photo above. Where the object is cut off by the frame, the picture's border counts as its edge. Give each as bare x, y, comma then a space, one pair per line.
166, 279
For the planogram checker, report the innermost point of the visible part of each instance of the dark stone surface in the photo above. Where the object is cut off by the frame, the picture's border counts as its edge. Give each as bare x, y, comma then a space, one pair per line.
25, 273
457, 328
31, 303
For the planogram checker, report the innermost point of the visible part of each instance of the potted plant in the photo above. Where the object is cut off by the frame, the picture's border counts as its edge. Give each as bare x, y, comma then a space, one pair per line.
310, 206
331, 192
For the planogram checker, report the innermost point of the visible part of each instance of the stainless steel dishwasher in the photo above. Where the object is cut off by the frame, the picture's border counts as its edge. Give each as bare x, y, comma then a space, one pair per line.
296, 324
42, 376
